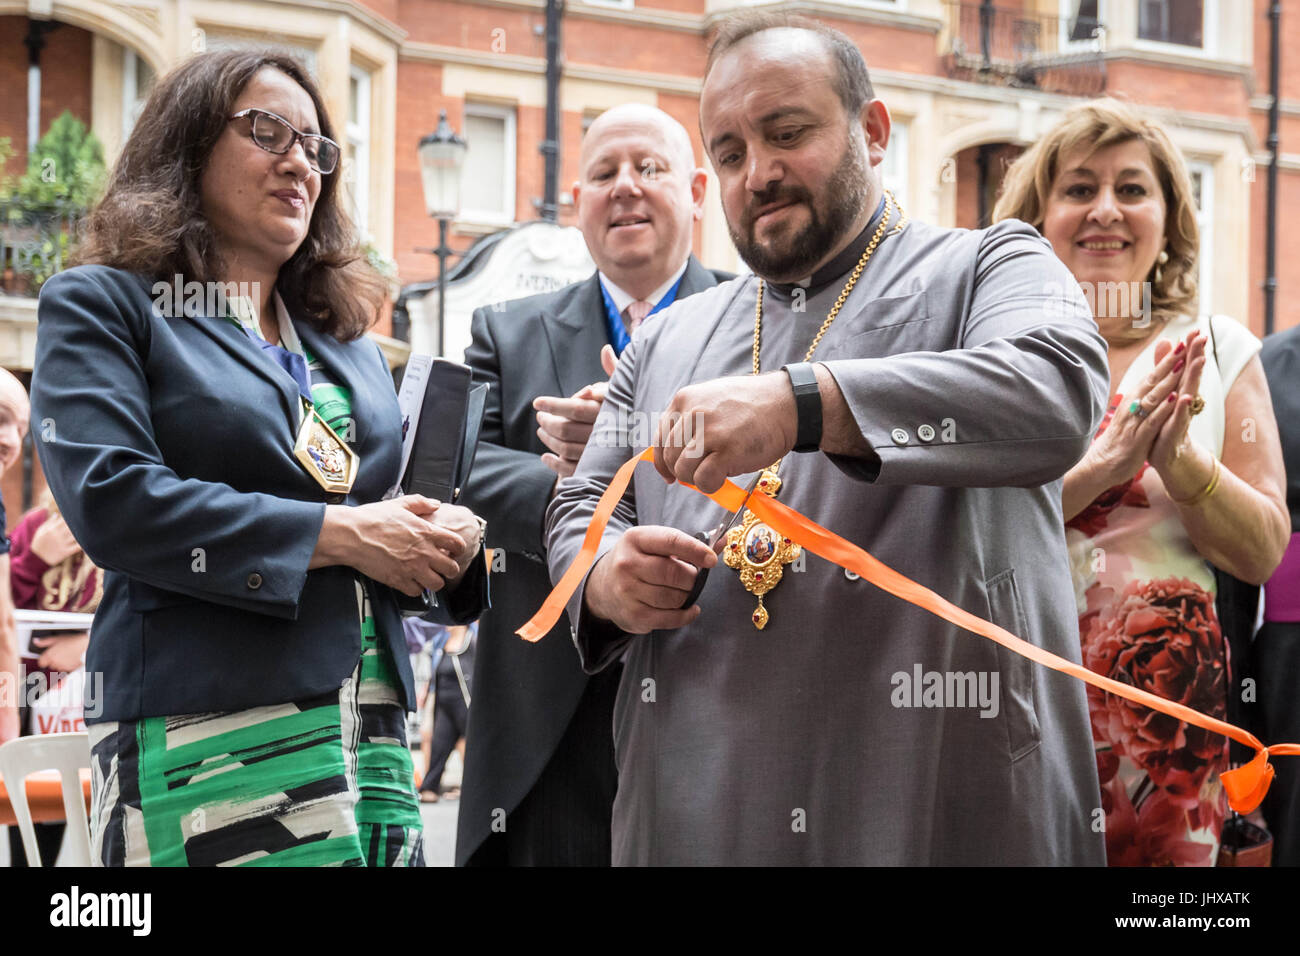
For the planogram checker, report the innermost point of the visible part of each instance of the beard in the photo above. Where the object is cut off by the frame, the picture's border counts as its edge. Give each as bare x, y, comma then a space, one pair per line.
788, 255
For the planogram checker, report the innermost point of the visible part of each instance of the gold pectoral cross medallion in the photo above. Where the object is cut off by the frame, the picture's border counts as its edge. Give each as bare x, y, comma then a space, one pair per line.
758, 552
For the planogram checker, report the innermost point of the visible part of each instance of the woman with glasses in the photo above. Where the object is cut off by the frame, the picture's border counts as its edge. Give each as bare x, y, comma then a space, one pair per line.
219, 436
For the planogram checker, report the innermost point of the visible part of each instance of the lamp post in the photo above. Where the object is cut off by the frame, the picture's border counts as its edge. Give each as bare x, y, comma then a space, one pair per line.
442, 156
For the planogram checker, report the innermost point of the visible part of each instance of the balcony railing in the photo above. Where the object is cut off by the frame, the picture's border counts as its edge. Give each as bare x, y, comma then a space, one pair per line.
1022, 48
34, 243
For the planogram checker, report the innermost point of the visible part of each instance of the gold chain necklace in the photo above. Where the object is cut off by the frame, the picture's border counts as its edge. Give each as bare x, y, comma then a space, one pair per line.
754, 549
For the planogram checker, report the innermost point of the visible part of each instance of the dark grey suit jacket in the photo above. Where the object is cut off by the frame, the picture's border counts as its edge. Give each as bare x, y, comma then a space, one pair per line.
168, 443
524, 695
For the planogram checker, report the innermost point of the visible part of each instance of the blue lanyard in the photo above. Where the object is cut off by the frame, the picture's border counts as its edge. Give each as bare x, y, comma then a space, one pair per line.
618, 336
292, 362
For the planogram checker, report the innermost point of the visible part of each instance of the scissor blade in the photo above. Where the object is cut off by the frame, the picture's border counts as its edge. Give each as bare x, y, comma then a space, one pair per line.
728, 523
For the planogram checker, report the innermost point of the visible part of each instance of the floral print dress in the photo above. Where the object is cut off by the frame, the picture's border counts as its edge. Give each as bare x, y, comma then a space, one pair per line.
1146, 618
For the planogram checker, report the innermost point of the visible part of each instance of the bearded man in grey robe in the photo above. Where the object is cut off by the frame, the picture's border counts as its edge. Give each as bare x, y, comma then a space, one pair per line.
962, 377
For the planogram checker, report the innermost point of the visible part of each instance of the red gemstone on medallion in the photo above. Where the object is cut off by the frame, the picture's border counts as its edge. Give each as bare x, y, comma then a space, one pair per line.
758, 575
762, 484
755, 616
786, 540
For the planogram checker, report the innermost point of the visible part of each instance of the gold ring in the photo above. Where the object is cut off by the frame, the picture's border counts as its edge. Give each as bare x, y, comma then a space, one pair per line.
1198, 405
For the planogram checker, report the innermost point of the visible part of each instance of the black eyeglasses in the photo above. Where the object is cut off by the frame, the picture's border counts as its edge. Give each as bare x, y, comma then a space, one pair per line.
274, 134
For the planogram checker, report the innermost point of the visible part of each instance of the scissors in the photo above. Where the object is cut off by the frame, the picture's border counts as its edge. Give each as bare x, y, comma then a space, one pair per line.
716, 537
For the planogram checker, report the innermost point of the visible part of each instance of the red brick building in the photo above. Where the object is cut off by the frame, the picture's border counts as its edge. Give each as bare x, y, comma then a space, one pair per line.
967, 89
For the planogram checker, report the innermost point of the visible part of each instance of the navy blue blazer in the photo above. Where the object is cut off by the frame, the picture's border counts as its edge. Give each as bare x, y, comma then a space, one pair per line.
168, 444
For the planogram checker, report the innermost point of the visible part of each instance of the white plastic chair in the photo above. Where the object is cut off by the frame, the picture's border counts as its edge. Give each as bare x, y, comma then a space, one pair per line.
66, 753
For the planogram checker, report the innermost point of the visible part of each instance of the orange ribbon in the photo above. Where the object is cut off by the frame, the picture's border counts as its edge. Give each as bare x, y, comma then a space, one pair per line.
1245, 786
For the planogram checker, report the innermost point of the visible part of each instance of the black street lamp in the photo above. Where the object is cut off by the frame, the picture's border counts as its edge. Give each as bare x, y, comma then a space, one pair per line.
442, 156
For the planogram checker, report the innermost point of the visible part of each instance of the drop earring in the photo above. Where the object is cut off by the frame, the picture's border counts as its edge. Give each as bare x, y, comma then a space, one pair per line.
1160, 261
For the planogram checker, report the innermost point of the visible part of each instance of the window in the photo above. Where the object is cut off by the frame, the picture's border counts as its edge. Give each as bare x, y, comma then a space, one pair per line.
893, 168
1080, 21
1172, 21
1202, 175
137, 79
487, 188
356, 148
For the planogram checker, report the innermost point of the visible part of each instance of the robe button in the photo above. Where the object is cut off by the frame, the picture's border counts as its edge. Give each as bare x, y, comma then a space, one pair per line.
899, 436
925, 433
254, 581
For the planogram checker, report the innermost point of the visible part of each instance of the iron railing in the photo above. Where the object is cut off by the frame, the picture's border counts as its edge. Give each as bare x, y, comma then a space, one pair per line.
1018, 47
34, 242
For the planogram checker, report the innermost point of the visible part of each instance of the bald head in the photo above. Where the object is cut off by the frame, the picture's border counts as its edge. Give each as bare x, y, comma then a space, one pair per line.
643, 119
14, 414
639, 196
802, 37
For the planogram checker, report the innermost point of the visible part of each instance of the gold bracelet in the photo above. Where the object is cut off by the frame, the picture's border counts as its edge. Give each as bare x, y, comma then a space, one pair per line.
1196, 499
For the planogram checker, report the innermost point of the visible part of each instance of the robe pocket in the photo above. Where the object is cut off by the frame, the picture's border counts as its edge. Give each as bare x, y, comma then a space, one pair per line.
1018, 678
888, 326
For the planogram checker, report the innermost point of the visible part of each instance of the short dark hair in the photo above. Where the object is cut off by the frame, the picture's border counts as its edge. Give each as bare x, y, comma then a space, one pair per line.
150, 219
852, 83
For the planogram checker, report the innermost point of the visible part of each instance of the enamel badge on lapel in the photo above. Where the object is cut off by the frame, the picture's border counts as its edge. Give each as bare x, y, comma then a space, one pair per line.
759, 553
330, 462
327, 459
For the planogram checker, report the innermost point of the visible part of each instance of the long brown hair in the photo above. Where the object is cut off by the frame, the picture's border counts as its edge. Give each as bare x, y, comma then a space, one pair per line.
151, 221
1095, 125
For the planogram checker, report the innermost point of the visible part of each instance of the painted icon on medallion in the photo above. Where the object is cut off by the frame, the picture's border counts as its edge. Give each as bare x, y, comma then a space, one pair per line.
760, 545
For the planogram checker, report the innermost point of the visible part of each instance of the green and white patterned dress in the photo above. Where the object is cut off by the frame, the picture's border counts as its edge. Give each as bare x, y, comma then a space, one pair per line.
326, 781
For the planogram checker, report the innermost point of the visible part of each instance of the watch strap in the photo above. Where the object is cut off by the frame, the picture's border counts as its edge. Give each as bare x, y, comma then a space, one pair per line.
807, 406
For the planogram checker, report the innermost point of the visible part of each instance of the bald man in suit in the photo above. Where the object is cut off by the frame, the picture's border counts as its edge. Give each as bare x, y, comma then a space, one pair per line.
540, 778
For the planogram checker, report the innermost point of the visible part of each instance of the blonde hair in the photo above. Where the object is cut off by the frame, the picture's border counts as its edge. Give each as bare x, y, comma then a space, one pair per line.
1099, 124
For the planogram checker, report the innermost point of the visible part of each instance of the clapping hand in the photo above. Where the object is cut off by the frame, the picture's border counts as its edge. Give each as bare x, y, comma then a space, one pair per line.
1172, 442
564, 424
1128, 441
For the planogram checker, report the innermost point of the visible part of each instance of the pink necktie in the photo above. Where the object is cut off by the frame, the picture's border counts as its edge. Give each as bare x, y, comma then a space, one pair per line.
634, 313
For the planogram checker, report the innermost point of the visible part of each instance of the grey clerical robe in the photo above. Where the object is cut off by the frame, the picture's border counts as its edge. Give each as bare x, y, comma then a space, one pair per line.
857, 728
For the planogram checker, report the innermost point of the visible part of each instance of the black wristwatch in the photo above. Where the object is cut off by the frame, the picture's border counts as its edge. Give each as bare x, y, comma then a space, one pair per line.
807, 406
